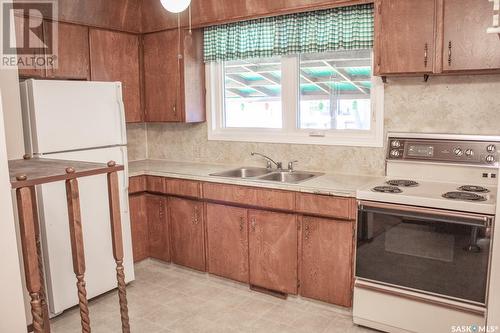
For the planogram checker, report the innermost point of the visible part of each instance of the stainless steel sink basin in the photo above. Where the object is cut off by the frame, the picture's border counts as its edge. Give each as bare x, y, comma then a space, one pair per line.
290, 177
249, 172
264, 174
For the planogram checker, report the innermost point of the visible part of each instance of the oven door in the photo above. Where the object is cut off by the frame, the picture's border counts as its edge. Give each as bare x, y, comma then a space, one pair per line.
429, 250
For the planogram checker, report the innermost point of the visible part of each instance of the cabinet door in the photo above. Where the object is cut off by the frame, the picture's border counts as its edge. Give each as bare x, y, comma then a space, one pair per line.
72, 51
161, 76
114, 56
29, 44
187, 233
467, 46
273, 250
404, 36
159, 244
227, 235
192, 78
139, 227
327, 260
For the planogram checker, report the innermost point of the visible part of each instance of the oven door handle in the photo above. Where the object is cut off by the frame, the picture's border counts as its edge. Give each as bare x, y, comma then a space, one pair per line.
428, 214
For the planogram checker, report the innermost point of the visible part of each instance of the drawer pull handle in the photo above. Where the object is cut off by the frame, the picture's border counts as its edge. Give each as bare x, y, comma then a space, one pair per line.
195, 217
449, 53
242, 224
426, 52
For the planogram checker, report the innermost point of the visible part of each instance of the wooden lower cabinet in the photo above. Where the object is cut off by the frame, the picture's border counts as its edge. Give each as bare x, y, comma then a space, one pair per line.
139, 226
327, 260
227, 236
273, 245
187, 232
159, 240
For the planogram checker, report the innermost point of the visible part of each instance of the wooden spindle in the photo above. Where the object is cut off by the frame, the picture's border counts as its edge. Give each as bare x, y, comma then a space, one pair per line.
116, 233
77, 250
28, 222
43, 296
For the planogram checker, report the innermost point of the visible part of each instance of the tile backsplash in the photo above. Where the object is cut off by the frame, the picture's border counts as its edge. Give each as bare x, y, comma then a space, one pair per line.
444, 104
137, 142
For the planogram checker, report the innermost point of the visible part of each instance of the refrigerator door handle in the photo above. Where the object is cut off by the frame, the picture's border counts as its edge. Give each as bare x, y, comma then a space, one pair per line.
125, 179
121, 106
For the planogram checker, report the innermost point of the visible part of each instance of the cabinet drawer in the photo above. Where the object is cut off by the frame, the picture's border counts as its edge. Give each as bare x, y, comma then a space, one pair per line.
323, 205
249, 196
137, 184
155, 184
181, 187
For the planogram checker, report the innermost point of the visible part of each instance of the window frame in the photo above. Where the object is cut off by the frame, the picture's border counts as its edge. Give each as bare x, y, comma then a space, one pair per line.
290, 97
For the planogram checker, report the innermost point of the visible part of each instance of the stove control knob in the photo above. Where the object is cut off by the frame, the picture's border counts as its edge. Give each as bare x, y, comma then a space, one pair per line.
490, 159
396, 144
458, 151
491, 149
469, 152
395, 153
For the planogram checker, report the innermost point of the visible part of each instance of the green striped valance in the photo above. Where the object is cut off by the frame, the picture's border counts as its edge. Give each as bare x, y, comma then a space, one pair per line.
344, 28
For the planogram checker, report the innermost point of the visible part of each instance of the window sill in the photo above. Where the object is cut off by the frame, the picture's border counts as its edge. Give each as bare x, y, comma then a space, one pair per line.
345, 139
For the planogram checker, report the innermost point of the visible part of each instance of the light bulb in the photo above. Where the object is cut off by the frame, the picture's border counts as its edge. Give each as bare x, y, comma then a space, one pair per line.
175, 6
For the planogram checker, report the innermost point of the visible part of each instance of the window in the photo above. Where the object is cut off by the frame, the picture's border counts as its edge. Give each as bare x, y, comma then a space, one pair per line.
301, 78
335, 91
328, 98
252, 98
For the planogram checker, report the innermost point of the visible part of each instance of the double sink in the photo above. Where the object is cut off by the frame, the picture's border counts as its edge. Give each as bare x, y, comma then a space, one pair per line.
265, 174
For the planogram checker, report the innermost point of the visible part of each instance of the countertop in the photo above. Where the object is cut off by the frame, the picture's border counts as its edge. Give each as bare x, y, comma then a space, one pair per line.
328, 184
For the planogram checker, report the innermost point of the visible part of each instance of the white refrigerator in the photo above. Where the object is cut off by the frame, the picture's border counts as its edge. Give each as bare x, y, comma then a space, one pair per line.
85, 121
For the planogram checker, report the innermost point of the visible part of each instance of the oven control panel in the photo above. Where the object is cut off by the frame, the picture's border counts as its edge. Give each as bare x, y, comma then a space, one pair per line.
454, 150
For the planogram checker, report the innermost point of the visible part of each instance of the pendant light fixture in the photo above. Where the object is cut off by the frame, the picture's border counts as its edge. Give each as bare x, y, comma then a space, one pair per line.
175, 6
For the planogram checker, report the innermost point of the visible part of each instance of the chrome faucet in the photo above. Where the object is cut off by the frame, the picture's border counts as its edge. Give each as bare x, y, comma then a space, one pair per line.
290, 165
279, 165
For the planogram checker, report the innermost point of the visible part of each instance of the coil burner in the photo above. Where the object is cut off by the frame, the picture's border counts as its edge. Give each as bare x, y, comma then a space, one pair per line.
473, 188
402, 182
387, 189
464, 196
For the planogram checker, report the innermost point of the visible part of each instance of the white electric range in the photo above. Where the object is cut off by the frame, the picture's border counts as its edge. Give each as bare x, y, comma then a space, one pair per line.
424, 234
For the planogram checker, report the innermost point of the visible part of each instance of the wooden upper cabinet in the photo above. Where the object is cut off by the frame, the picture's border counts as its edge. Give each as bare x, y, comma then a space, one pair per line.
139, 227
404, 36
466, 45
174, 74
227, 236
273, 248
73, 51
159, 240
27, 43
327, 260
187, 233
114, 56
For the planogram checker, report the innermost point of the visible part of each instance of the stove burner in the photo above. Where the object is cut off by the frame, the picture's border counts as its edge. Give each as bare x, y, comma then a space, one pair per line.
473, 188
402, 182
387, 189
466, 196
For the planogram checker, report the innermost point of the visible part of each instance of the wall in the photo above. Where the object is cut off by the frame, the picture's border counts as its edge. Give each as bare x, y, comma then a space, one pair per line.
11, 302
447, 104
137, 142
